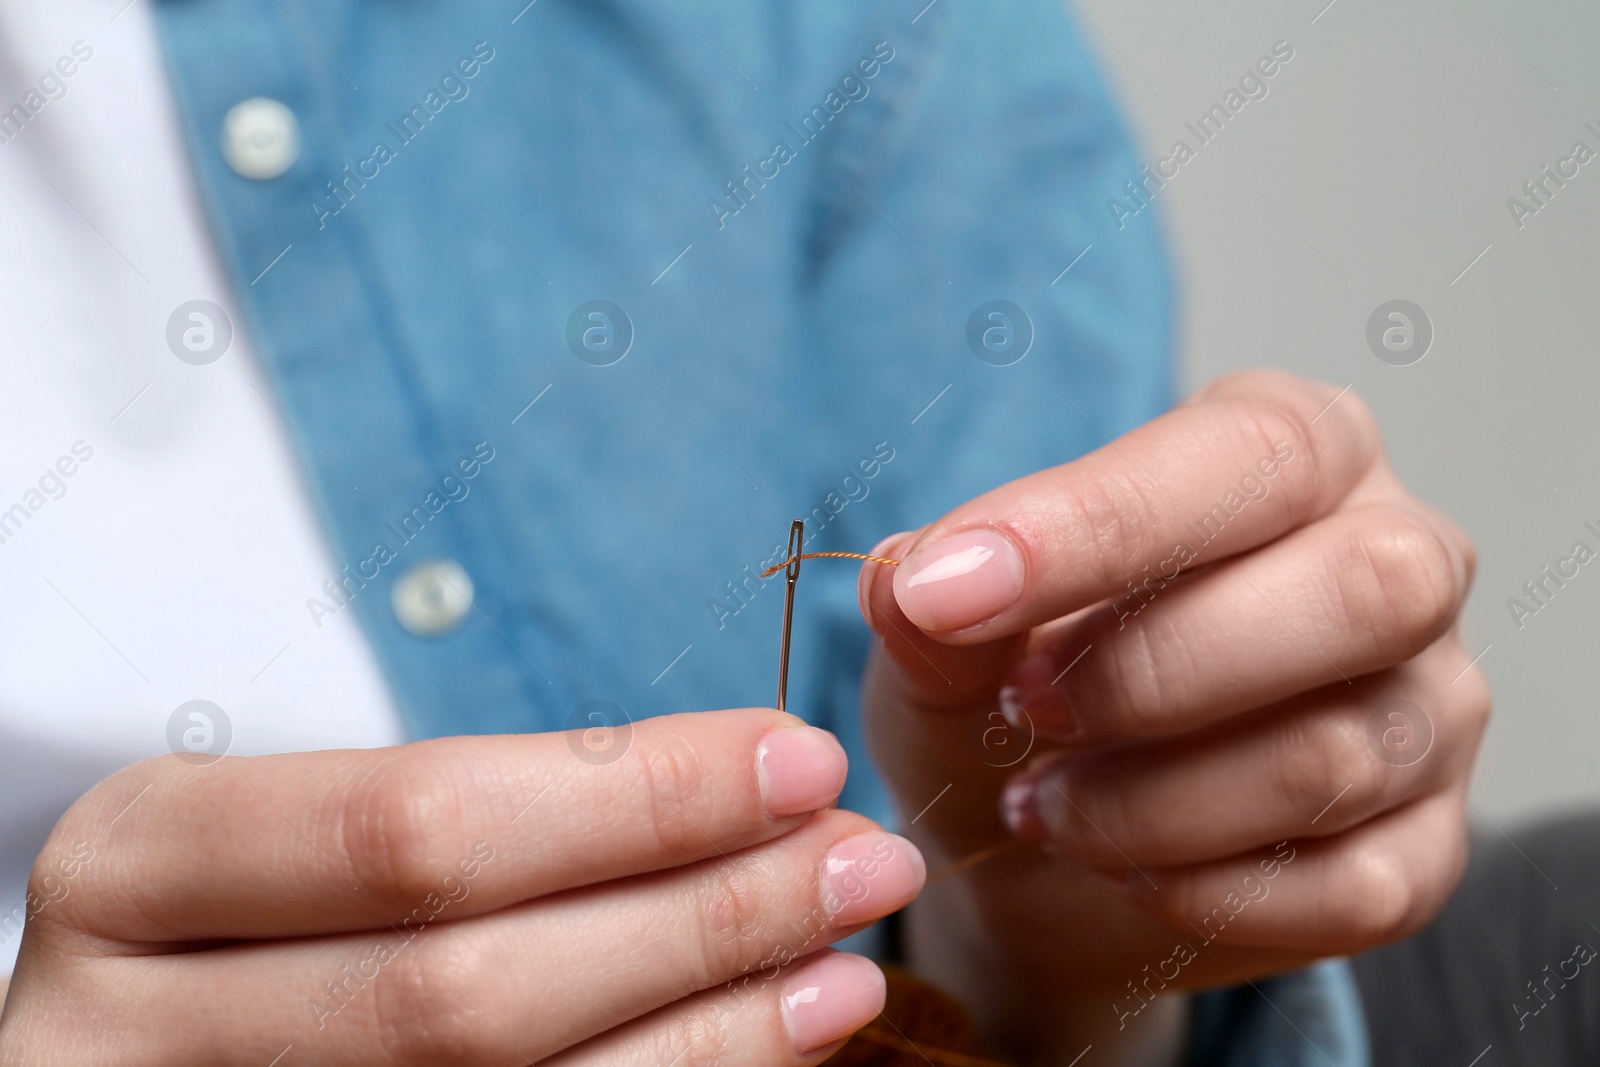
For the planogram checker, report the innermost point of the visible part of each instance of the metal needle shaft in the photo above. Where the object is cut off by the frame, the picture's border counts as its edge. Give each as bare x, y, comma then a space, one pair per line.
797, 542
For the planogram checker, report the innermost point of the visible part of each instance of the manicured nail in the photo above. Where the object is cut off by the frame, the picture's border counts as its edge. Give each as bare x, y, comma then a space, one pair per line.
867, 876
829, 998
1033, 700
959, 581
1019, 806
801, 769
1041, 709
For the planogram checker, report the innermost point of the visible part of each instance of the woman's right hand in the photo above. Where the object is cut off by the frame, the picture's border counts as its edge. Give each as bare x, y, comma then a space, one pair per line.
462, 901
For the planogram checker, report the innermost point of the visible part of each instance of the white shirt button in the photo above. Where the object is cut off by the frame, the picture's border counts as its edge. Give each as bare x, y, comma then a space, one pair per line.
432, 598
260, 138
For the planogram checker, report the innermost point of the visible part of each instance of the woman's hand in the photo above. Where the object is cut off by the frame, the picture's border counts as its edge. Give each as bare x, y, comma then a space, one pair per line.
1229, 640
463, 901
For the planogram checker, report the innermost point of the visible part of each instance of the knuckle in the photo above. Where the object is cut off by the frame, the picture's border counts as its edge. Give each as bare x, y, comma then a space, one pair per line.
1469, 554
1331, 759
1268, 423
1471, 700
1248, 382
71, 878
1382, 899
674, 776
94, 810
393, 824
1302, 769
420, 1011
1477, 703
1297, 402
1131, 692
1451, 868
1398, 584
1270, 419
695, 1037
50, 895
1112, 515
730, 906
1353, 409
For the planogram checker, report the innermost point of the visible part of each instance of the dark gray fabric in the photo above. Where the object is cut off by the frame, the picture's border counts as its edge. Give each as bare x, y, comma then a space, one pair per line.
1509, 973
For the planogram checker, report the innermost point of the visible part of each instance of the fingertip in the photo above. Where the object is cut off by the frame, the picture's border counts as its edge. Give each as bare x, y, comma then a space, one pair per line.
799, 769
915, 859
869, 875
871, 574
829, 997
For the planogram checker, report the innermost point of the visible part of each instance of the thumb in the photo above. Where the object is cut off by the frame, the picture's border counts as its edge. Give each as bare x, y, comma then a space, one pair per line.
933, 723
929, 675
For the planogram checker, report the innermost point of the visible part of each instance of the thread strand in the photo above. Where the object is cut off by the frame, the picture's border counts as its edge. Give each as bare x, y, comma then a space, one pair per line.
776, 567
928, 1052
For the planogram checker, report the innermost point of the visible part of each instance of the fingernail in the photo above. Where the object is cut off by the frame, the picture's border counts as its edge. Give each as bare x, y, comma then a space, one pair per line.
800, 769
1043, 709
1019, 806
830, 998
867, 876
960, 580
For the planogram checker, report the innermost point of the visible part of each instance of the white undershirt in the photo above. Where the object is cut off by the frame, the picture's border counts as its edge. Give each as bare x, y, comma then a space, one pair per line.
178, 562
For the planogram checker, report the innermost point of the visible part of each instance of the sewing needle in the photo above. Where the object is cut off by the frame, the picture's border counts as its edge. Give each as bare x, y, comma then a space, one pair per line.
797, 544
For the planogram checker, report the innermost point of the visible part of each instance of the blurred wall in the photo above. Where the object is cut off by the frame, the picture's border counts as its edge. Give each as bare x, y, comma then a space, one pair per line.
1377, 167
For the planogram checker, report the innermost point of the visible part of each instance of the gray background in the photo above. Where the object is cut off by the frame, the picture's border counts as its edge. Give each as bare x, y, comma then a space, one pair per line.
1381, 162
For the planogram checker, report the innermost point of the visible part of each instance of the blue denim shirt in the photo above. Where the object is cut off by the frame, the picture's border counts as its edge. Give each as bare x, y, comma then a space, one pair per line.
662, 275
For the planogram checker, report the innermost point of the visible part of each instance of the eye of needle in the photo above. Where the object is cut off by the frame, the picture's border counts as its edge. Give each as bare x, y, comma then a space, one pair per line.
797, 542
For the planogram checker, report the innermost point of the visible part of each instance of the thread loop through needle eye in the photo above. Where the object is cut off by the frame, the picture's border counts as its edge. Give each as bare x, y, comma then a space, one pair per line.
797, 541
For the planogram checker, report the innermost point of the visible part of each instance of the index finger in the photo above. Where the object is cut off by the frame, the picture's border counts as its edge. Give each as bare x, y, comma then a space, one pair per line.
1251, 458
322, 842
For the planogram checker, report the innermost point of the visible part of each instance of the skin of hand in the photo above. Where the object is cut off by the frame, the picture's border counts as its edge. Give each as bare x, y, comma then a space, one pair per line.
1227, 642
463, 901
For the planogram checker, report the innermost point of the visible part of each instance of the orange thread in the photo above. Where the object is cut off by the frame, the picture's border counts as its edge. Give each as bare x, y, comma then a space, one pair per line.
776, 567
927, 1052
972, 859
